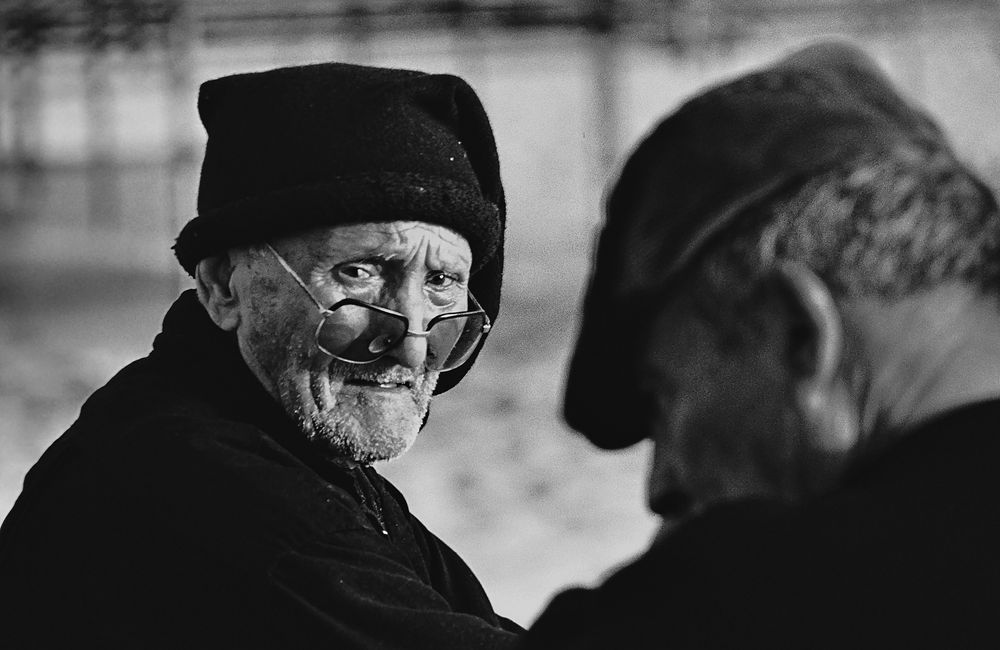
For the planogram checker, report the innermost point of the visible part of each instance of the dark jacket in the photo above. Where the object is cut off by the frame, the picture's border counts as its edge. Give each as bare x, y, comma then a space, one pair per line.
183, 509
905, 555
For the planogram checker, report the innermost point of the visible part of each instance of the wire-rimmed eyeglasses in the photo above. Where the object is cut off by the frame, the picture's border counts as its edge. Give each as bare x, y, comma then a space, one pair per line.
354, 331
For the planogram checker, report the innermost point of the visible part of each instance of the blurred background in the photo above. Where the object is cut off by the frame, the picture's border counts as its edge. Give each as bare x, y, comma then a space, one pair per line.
100, 150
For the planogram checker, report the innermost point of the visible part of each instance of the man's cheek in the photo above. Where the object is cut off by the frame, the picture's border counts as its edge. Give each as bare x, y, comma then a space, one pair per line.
712, 452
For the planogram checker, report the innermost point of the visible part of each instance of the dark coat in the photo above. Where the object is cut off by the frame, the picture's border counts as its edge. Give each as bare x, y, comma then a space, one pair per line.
905, 555
183, 509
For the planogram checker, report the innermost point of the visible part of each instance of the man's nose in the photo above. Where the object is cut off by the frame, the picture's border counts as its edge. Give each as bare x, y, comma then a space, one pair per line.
412, 351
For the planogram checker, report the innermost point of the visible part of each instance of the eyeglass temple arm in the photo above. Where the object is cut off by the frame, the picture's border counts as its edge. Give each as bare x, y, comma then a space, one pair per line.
486, 326
295, 276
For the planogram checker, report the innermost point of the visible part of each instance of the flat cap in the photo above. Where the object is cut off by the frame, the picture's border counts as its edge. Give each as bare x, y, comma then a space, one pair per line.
723, 151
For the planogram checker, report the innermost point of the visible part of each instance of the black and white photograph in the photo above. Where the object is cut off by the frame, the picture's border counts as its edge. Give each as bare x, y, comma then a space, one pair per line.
499, 325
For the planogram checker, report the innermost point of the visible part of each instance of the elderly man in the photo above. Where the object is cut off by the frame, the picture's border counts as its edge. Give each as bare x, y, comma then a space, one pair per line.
219, 492
810, 286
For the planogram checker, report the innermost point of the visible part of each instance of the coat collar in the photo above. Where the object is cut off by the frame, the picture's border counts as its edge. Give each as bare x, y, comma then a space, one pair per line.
957, 435
193, 350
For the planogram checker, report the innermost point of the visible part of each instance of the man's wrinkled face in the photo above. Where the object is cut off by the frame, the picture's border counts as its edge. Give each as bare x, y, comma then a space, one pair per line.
367, 412
724, 426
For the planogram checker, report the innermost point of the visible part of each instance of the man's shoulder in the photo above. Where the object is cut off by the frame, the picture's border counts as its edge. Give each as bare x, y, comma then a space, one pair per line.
210, 461
167, 459
904, 552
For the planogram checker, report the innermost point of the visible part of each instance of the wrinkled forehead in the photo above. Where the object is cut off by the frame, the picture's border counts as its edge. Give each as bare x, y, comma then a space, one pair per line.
389, 239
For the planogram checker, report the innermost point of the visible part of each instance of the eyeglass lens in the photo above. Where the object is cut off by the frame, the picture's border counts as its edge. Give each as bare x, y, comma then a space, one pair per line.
360, 334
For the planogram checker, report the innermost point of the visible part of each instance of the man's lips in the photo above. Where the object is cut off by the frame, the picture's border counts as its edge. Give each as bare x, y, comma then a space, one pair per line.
379, 384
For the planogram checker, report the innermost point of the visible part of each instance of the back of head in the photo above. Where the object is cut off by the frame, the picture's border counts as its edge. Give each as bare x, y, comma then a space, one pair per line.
816, 159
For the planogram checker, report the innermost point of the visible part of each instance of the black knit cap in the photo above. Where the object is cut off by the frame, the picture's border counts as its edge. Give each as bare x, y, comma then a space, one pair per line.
694, 175
330, 144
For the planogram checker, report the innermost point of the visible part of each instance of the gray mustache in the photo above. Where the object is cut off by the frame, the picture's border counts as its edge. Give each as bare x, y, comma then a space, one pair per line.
377, 372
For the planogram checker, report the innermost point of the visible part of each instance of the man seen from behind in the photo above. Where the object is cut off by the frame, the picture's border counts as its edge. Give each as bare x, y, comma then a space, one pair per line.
815, 279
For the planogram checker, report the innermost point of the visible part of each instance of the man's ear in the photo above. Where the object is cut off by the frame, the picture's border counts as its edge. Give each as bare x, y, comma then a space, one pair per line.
213, 280
815, 334
816, 349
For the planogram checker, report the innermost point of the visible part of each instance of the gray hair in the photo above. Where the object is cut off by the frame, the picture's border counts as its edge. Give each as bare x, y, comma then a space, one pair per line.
883, 225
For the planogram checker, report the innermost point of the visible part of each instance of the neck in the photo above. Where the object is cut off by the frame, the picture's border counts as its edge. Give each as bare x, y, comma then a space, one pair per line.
925, 354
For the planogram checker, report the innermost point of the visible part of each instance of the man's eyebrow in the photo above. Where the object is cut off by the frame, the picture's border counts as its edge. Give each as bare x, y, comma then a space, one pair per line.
327, 251
372, 258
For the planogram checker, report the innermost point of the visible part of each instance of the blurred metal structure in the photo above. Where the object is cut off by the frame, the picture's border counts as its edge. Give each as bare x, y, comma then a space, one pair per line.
28, 25
76, 51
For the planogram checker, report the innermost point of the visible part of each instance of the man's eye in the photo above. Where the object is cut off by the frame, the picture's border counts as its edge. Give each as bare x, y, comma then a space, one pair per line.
441, 280
356, 271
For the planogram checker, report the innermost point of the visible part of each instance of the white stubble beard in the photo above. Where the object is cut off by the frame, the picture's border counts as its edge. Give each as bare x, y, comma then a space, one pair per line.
344, 421
349, 421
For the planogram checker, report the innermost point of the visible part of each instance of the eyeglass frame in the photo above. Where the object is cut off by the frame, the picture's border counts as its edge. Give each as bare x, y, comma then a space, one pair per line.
326, 312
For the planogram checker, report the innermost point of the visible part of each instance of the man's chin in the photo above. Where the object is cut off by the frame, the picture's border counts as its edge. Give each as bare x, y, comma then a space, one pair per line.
377, 428
359, 420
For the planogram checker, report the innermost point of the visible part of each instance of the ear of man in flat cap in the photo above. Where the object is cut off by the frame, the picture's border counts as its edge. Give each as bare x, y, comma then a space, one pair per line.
330, 144
696, 173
